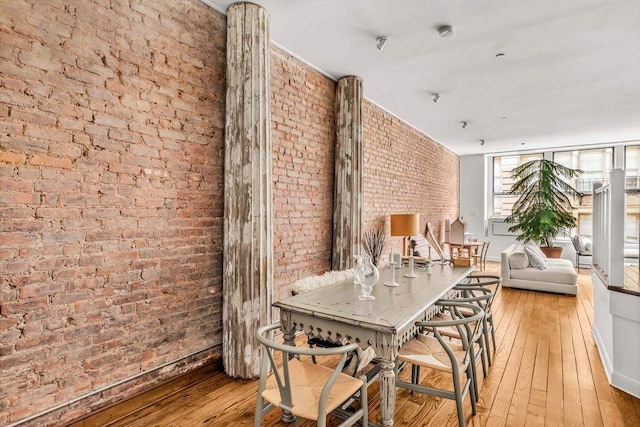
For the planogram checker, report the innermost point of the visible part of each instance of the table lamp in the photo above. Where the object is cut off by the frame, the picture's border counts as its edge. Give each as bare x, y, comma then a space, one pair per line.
405, 226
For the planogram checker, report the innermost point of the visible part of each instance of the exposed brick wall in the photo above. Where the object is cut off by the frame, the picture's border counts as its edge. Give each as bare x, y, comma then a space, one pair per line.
406, 172
111, 191
303, 139
111, 173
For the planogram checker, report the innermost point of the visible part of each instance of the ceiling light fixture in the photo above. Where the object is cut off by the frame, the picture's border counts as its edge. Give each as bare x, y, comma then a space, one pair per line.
436, 96
464, 125
445, 30
382, 40
482, 142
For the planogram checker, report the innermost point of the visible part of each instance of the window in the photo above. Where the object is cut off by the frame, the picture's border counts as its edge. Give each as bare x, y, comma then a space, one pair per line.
502, 181
632, 190
595, 165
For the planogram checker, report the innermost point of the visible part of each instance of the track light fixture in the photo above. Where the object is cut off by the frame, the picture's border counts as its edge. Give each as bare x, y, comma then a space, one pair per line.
464, 125
382, 40
435, 96
482, 142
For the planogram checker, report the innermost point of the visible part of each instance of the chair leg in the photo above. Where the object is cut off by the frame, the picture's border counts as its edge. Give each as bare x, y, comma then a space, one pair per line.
473, 392
493, 334
473, 371
458, 393
485, 336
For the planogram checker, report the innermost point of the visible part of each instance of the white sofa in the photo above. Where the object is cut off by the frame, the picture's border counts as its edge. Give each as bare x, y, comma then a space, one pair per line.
560, 276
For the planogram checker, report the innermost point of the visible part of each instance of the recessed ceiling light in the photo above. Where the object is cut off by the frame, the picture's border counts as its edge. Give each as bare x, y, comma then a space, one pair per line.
445, 30
499, 55
522, 143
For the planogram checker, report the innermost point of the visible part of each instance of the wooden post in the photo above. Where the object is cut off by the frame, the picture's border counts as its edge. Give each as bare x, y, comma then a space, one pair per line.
248, 243
348, 198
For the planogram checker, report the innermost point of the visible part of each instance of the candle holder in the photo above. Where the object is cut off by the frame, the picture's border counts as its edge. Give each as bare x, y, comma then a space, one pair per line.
392, 283
411, 273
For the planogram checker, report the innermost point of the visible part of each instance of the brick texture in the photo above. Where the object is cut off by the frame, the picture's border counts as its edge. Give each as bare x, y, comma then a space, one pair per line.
406, 172
303, 140
111, 192
111, 172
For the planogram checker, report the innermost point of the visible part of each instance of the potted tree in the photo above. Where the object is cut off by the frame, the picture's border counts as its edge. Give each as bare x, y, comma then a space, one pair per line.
544, 207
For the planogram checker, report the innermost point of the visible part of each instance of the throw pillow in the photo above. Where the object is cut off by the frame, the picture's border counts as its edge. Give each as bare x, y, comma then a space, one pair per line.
518, 258
537, 259
588, 245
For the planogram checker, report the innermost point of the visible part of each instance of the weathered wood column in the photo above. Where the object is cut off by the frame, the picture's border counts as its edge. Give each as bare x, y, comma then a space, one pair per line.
347, 198
248, 243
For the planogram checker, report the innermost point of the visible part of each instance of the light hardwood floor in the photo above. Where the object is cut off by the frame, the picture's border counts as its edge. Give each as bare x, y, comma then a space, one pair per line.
546, 371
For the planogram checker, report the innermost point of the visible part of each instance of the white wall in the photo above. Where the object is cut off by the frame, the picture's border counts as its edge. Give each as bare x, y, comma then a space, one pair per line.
476, 189
616, 329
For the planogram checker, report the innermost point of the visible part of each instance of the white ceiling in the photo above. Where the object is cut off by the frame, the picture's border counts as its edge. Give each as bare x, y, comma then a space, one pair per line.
570, 74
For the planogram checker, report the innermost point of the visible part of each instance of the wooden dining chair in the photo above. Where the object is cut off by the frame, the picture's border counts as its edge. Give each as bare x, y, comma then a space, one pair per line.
482, 297
435, 350
303, 389
480, 258
494, 283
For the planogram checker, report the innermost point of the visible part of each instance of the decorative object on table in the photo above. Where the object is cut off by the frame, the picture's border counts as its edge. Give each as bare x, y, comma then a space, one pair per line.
397, 259
368, 275
392, 283
373, 243
358, 258
544, 207
405, 226
411, 273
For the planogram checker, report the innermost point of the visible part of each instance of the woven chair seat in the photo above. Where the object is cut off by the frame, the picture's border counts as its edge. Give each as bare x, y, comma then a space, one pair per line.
427, 351
308, 379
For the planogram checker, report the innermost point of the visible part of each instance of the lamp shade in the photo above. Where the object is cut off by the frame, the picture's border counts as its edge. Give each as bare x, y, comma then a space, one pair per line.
405, 224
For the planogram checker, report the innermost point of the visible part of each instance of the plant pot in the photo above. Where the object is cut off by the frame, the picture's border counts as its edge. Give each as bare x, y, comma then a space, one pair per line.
554, 252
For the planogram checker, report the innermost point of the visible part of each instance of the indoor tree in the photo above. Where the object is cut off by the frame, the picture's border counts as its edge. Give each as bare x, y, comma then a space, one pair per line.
544, 207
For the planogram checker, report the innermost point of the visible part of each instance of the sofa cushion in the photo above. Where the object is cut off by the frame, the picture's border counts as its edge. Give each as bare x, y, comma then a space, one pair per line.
518, 258
557, 271
537, 258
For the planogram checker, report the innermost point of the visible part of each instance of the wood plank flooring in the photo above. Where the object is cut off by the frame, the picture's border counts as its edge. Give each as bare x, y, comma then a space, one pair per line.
546, 372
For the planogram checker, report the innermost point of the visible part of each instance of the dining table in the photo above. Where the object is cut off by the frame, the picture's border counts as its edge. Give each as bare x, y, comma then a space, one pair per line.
335, 313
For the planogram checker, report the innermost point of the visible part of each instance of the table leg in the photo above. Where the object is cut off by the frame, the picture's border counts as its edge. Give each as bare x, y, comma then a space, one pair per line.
289, 338
387, 392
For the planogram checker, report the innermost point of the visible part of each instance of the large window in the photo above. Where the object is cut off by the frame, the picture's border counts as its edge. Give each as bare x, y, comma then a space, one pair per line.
595, 165
502, 181
632, 189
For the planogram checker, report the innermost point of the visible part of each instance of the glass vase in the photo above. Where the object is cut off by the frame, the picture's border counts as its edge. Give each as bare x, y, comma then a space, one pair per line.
368, 275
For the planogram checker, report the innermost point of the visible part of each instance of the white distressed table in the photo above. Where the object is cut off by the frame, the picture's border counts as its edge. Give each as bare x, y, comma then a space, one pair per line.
335, 313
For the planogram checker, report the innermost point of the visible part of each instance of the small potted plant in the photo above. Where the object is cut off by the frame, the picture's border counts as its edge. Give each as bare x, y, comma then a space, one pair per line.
544, 207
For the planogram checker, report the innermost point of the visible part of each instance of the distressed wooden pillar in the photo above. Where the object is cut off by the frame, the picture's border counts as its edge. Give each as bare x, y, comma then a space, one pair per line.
348, 199
248, 243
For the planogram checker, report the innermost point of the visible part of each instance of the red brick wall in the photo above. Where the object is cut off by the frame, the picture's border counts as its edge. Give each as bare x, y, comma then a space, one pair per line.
303, 140
111, 173
111, 192
406, 172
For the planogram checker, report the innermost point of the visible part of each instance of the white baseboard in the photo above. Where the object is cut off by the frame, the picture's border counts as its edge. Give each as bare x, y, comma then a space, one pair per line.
604, 357
626, 384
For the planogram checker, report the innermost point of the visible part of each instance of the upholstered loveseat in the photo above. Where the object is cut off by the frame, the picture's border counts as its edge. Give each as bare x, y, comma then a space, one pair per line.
558, 276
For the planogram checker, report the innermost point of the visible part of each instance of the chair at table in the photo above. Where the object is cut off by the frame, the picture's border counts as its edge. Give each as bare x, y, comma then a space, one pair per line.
494, 283
480, 258
304, 389
482, 297
436, 351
